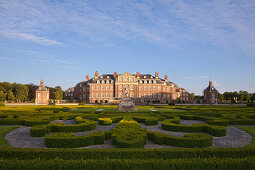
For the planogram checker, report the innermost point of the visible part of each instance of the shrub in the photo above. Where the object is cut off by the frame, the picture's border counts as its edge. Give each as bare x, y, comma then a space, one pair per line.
2, 104
81, 103
105, 121
146, 120
219, 122
67, 140
251, 105
128, 134
211, 129
188, 141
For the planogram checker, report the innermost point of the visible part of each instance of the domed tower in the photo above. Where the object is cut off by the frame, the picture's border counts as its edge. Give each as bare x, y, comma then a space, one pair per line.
42, 94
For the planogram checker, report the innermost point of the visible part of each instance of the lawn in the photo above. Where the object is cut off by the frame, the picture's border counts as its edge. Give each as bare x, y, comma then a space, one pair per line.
3, 131
251, 131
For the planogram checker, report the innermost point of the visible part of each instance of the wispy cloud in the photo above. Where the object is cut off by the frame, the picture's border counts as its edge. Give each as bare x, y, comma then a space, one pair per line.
29, 37
171, 23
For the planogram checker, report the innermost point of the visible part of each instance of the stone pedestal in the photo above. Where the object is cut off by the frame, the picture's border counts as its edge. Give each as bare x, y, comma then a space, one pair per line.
126, 104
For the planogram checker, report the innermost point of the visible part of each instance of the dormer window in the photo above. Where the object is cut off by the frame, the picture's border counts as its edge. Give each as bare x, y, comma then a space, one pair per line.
151, 76
149, 81
98, 81
107, 81
154, 81
140, 81
102, 81
145, 82
101, 77
144, 77
108, 77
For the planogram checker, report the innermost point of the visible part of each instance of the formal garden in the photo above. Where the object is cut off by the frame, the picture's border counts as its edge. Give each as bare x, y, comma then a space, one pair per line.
151, 137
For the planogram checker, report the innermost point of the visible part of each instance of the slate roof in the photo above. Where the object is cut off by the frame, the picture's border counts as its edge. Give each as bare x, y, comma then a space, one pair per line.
42, 88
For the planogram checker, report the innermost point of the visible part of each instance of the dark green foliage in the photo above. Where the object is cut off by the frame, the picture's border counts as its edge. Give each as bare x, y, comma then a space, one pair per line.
211, 129
67, 140
188, 141
251, 104
146, 120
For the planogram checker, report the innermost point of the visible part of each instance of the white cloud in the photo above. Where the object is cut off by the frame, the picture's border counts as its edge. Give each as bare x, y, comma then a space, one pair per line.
30, 37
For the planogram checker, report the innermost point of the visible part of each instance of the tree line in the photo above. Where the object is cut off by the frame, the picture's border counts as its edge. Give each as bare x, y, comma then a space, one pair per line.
15, 92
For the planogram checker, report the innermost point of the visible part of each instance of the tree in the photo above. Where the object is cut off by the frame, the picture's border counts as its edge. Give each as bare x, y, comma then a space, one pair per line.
10, 96
20, 92
192, 96
221, 97
2, 96
58, 93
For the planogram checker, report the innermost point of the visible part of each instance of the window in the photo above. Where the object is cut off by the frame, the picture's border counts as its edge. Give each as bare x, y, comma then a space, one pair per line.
132, 87
145, 82
93, 87
39, 96
107, 81
84, 95
102, 95
174, 96
107, 87
168, 96
97, 87
150, 88
97, 95
168, 89
145, 88
164, 89
93, 95
98, 81
144, 77
140, 95
140, 81
112, 95
155, 95
102, 87
140, 88
132, 79
84, 88
132, 95
120, 94
213, 95
107, 95
149, 95
164, 96
159, 88
101, 77
149, 82
145, 94
159, 95
102, 81
111, 81
108, 77
154, 87
154, 81
112, 88
120, 87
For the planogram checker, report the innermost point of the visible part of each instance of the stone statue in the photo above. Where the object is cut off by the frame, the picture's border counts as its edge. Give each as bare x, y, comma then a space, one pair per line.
126, 92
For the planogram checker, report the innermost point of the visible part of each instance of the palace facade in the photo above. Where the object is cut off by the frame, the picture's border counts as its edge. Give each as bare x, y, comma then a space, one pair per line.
140, 87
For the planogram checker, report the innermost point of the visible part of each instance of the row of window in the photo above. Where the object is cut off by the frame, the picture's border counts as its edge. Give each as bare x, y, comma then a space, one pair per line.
102, 87
102, 95
104, 81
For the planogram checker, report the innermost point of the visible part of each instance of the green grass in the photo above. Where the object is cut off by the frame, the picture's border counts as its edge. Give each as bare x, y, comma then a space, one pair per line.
251, 131
3, 131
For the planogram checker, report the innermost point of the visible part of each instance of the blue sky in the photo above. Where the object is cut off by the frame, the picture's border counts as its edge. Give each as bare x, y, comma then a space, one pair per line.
60, 41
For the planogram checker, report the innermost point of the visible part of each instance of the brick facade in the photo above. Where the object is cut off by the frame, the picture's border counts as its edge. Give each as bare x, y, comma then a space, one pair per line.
42, 94
210, 94
141, 87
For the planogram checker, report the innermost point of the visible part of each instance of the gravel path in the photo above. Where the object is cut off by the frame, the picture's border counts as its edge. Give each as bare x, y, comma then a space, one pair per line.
20, 137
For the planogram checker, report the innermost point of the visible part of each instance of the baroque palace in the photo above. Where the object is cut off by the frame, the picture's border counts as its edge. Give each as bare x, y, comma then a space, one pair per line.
139, 87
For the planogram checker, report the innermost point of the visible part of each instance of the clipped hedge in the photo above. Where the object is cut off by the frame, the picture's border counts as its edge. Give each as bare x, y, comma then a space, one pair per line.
68, 140
128, 134
242, 122
211, 129
125, 153
146, 120
148, 164
219, 122
105, 121
188, 141
83, 125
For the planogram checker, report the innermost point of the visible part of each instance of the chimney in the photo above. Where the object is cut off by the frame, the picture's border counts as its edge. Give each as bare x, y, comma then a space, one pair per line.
41, 82
96, 74
115, 74
166, 77
210, 83
138, 74
156, 75
87, 77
